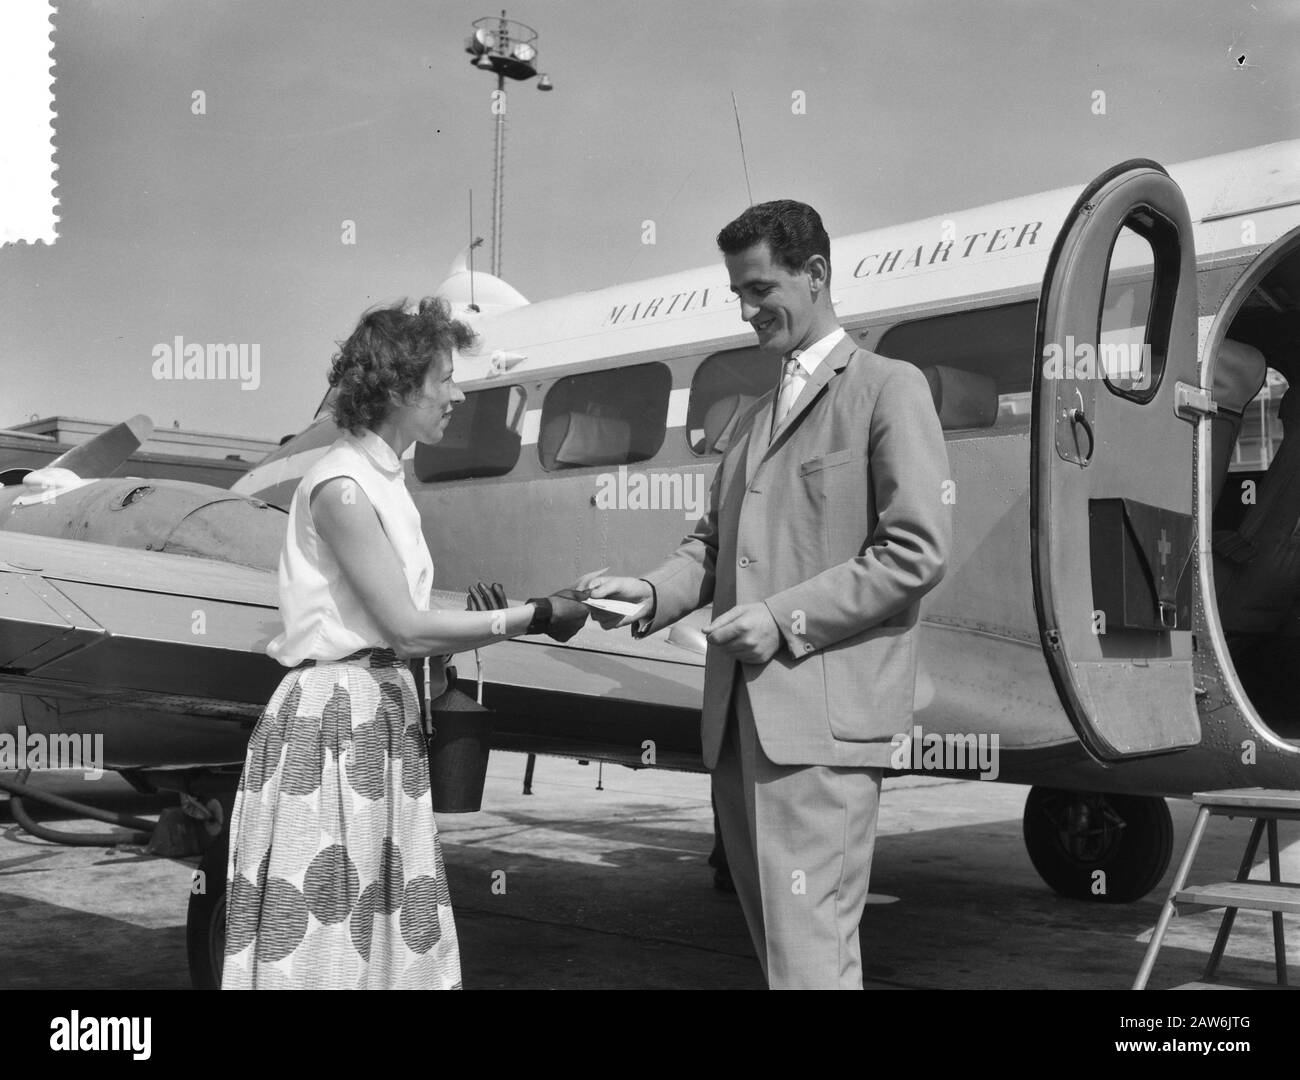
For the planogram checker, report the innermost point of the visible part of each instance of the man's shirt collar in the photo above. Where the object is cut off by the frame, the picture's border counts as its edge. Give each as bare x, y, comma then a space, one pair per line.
811, 357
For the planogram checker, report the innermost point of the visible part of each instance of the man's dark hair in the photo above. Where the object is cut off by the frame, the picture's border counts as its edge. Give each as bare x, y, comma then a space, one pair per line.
793, 231
390, 352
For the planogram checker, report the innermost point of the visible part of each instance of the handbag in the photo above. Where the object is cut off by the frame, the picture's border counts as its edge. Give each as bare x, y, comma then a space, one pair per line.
458, 734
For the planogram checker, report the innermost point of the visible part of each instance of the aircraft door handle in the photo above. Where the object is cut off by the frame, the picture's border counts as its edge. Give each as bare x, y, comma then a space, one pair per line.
1080, 419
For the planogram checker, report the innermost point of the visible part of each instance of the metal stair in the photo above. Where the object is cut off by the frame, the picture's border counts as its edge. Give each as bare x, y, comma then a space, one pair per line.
1266, 806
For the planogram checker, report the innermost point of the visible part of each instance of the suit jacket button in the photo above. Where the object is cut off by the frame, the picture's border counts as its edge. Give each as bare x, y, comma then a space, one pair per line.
743, 561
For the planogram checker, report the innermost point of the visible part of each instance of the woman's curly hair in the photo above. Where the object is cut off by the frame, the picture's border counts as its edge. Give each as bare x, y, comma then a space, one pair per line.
390, 352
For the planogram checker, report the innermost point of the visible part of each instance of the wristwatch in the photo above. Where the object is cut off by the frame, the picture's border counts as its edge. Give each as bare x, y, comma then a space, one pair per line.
541, 615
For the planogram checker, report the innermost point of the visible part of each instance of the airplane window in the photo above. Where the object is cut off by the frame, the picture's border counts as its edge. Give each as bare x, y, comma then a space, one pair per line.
1124, 351
724, 386
612, 417
482, 438
979, 364
1261, 428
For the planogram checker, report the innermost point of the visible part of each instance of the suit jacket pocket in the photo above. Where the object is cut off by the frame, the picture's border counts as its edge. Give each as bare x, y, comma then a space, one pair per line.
829, 461
870, 684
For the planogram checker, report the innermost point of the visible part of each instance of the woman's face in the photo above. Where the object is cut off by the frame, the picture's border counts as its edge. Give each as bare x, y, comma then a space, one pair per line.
429, 409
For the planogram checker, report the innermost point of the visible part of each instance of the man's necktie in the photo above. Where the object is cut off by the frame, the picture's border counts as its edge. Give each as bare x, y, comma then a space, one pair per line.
788, 392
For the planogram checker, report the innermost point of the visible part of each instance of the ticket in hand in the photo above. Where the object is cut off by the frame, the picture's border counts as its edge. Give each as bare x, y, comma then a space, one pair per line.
614, 607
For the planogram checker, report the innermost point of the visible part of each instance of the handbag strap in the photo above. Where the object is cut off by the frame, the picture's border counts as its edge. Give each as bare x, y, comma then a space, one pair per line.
428, 688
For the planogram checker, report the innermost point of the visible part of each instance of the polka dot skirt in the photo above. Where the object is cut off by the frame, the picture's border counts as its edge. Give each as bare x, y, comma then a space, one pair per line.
335, 879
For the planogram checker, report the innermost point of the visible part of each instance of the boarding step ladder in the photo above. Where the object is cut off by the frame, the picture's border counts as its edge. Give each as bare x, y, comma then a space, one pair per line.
1266, 807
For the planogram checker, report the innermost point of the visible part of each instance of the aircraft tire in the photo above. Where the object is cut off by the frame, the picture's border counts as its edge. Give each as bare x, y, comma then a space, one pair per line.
205, 922
1070, 835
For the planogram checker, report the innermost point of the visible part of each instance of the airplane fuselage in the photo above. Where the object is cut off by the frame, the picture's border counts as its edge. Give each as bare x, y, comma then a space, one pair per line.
601, 419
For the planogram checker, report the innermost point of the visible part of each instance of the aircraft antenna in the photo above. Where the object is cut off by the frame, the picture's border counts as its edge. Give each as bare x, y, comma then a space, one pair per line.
741, 136
472, 245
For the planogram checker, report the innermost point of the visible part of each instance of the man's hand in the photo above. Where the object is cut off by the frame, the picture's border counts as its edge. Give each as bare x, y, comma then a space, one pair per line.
597, 586
748, 632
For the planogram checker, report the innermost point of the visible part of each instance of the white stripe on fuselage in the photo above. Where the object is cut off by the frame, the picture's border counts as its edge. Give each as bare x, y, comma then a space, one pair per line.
290, 467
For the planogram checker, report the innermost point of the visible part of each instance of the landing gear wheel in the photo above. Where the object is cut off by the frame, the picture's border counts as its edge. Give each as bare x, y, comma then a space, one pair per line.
205, 923
1070, 835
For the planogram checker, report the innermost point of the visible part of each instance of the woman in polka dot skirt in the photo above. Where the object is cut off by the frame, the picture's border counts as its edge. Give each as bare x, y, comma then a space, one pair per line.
335, 878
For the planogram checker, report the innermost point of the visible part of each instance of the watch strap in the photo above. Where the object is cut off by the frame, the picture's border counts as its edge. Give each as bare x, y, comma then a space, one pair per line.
541, 616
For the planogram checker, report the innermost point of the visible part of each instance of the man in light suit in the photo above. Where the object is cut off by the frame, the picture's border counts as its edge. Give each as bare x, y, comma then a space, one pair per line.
826, 525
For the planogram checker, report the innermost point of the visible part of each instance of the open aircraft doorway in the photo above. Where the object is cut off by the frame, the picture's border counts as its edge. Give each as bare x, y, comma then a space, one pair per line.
1249, 493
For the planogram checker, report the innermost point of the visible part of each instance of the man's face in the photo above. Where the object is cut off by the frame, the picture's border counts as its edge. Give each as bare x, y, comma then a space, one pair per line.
431, 406
775, 302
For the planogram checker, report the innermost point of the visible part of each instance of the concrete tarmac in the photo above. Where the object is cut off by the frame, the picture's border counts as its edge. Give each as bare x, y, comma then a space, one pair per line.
578, 888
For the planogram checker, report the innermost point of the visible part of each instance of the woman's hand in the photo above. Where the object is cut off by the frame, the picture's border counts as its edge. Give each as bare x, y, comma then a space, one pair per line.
568, 615
559, 616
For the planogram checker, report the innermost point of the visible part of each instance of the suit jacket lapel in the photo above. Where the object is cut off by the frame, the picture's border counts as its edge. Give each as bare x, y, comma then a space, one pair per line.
758, 430
826, 370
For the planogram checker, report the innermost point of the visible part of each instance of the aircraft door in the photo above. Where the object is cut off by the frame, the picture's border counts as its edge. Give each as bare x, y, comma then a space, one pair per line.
1115, 399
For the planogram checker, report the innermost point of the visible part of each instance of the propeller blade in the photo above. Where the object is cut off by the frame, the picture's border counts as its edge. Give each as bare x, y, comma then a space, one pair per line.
103, 455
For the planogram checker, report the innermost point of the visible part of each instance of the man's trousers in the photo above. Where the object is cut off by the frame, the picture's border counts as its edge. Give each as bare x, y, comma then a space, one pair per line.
799, 841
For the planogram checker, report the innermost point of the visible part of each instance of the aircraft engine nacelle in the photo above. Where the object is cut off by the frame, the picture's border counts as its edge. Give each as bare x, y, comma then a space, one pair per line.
153, 515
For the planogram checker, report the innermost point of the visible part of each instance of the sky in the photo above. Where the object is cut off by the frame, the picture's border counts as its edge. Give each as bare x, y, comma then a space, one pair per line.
226, 224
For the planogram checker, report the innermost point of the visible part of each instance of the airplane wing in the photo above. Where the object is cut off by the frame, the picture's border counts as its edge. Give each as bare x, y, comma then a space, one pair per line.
135, 628
131, 634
